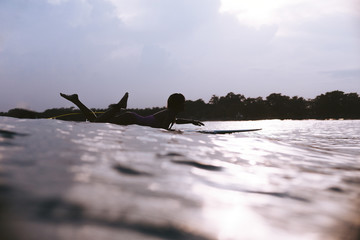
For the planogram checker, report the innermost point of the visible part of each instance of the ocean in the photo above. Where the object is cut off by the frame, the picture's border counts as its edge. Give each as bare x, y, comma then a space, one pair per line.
81, 180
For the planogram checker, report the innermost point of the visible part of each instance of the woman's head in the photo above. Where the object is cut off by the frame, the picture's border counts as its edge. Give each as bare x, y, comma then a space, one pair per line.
176, 102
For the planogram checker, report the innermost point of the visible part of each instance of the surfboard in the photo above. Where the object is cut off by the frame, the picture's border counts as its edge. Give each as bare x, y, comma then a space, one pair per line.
226, 131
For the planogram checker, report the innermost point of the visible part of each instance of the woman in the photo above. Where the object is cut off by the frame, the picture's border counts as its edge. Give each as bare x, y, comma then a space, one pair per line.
162, 119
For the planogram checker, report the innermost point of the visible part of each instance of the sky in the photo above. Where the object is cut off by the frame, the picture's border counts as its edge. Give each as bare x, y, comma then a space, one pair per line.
101, 49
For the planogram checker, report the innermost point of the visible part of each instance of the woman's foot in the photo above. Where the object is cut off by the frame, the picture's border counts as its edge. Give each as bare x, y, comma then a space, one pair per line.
71, 98
123, 102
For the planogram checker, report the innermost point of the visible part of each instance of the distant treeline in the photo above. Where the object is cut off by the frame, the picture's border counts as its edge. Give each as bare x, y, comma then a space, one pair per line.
331, 105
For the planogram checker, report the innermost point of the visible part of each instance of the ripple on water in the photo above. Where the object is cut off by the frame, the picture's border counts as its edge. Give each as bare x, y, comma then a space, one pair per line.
292, 180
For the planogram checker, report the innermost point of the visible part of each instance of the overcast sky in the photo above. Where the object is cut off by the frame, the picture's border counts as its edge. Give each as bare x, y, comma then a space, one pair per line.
151, 48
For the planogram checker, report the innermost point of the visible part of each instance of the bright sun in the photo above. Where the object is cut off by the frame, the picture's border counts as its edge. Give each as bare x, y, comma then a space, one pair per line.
254, 12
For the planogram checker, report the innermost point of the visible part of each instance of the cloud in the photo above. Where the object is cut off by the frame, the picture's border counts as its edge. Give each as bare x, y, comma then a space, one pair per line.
23, 105
56, 2
344, 74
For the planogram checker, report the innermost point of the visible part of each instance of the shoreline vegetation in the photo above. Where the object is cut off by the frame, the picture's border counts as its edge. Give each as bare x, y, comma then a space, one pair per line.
331, 105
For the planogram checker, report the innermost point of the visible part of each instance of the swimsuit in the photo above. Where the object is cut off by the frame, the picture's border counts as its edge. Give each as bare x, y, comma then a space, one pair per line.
128, 118
149, 121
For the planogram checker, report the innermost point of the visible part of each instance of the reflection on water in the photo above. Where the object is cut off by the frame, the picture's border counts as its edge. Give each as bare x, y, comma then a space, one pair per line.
291, 180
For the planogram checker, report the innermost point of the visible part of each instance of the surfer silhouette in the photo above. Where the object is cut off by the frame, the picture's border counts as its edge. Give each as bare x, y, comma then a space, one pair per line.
115, 114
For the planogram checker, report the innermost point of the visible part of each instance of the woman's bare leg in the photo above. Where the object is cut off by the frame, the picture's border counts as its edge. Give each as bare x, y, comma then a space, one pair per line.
74, 98
105, 117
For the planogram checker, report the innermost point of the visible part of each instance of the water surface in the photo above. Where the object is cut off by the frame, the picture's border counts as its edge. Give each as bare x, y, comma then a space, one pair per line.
71, 180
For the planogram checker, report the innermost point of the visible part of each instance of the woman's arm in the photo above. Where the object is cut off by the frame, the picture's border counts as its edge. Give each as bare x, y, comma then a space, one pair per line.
185, 121
165, 119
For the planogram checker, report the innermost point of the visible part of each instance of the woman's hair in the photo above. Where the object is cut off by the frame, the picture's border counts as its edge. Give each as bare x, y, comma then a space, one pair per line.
176, 101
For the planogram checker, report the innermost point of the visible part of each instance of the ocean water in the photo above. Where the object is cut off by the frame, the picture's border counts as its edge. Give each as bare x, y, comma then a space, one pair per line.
80, 180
